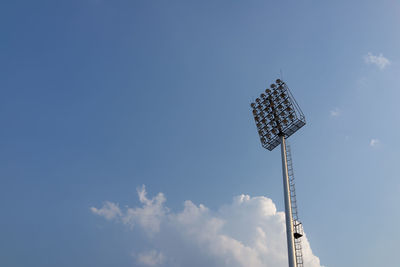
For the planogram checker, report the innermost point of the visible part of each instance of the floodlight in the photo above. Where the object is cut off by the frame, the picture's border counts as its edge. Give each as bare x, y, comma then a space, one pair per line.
274, 106
278, 116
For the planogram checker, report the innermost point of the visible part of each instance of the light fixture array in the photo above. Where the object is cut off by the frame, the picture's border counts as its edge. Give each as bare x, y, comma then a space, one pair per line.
276, 113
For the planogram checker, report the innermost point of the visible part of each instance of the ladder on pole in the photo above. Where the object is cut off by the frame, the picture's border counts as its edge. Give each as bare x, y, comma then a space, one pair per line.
298, 227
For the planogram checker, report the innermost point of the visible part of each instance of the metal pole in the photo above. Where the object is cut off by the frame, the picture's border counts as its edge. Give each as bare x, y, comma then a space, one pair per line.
288, 206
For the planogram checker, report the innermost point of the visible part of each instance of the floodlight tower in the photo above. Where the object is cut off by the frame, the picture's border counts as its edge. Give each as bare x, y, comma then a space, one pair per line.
277, 116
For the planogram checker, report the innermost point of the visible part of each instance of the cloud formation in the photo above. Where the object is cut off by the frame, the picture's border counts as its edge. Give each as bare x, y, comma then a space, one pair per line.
247, 232
150, 258
379, 61
375, 142
335, 112
108, 211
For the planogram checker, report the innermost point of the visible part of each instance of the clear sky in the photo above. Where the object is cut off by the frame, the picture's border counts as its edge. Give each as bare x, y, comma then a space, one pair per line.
100, 97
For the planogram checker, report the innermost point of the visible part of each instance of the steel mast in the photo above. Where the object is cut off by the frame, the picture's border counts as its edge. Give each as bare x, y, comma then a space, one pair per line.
288, 206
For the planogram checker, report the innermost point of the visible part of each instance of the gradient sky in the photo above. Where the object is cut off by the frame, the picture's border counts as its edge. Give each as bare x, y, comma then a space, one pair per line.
99, 97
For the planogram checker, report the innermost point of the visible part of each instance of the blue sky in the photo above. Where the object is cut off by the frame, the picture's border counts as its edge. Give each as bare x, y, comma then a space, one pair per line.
101, 97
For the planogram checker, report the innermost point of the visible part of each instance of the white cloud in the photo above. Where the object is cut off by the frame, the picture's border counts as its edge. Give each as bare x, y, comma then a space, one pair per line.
150, 215
375, 142
150, 258
379, 61
335, 112
247, 232
109, 210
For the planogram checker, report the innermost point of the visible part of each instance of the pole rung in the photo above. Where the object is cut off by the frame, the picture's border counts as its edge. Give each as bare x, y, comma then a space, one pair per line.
297, 225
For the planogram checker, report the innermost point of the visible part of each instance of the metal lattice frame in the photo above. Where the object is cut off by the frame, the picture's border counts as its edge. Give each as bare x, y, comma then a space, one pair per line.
276, 113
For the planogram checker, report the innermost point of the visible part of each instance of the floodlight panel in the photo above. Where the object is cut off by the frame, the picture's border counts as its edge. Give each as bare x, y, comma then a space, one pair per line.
276, 113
